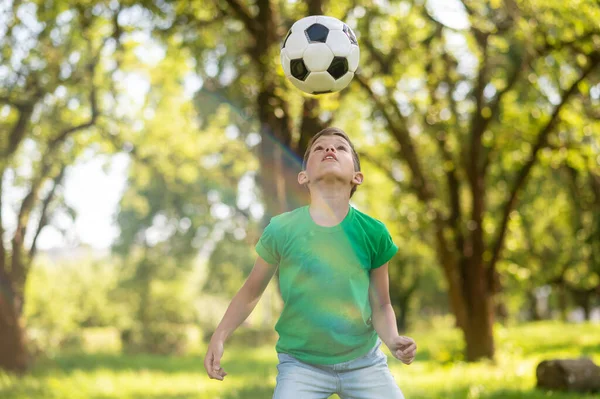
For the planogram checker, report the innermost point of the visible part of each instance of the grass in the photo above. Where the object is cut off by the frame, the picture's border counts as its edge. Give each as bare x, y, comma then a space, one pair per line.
438, 371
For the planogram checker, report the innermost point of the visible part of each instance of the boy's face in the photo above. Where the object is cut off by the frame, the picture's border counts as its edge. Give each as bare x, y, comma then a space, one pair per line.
331, 158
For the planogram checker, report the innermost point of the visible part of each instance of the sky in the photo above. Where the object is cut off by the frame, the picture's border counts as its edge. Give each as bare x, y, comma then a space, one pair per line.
94, 190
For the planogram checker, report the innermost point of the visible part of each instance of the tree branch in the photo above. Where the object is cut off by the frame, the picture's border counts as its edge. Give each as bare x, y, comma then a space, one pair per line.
377, 55
3, 258
517, 71
243, 14
478, 121
385, 61
19, 129
468, 8
558, 45
430, 17
44, 213
62, 136
474, 166
525, 170
18, 270
453, 184
386, 171
346, 13
407, 148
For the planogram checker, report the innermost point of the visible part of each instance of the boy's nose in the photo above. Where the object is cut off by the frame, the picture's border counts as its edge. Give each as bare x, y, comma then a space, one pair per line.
330, 149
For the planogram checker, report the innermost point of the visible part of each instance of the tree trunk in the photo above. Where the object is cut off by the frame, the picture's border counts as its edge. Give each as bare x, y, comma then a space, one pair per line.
401, 303
502, 313
479, 337
478, 331
451, 271
562, 302
583, 299
471, 303
587, 309
534, 310
13, 355
401, 297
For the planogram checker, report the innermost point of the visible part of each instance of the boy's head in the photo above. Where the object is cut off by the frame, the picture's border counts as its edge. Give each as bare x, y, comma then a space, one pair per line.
330, 154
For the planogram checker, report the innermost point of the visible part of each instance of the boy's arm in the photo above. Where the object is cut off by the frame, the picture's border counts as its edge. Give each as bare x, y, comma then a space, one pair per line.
384, 318
239, 309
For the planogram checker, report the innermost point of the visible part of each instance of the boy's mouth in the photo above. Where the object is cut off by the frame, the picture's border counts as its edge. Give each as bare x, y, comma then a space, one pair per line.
329, 157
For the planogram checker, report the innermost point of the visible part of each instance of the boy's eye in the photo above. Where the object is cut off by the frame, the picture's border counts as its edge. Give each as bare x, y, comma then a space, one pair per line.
343, 148
318, 148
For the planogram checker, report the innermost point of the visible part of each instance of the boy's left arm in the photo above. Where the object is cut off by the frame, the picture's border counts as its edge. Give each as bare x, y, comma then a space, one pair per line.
384, 319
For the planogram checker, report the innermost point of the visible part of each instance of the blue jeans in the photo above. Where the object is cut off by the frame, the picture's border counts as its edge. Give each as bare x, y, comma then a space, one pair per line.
367, 377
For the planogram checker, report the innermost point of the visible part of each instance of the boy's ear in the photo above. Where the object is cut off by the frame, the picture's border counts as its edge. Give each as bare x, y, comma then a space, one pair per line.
302, 178
358, 178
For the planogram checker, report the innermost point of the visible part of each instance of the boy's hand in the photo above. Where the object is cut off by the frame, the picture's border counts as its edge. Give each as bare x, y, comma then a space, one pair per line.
212, 361
403, 348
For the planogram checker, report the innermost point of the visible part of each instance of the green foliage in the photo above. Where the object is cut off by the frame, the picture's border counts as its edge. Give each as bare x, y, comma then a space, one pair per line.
63, 298
68, 297
158, 300
173, 201
229, 266
156, 338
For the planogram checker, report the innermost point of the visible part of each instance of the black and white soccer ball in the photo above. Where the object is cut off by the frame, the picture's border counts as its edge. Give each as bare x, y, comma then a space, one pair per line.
320, 54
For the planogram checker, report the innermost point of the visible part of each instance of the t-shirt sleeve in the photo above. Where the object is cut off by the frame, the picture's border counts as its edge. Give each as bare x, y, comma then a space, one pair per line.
267, 246
386, 249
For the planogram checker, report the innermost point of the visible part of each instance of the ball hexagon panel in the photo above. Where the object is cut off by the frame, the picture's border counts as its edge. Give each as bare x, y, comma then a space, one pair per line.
301, 24
300, 85
350, 34
295, 45
338, 67
317, 33
317, 57
320, 82
298, 69
343, 81
339, 43
353, 58
330, 22
285, 63
286, 37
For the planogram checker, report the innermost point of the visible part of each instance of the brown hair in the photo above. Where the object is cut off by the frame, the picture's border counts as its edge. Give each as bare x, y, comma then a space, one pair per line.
333, 131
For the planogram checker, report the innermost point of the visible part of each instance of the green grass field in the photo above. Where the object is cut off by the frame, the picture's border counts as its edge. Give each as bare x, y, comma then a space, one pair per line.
438, 371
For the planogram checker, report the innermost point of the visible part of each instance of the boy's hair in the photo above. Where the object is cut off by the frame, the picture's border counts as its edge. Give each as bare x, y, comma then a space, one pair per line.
333, 131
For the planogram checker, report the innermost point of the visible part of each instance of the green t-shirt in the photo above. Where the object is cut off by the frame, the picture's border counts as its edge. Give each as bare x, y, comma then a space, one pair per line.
324, 282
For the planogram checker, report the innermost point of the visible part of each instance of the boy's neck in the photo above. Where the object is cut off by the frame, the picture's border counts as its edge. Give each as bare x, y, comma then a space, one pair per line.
329, 207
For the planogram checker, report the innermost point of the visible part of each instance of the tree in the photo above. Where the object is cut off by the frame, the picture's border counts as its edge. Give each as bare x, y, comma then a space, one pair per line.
56, 91
527, 68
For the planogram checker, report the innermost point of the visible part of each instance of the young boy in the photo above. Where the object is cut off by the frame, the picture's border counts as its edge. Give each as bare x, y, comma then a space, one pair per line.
333, 276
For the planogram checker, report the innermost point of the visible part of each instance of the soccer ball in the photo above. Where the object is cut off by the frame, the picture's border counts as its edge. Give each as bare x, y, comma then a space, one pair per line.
320, 54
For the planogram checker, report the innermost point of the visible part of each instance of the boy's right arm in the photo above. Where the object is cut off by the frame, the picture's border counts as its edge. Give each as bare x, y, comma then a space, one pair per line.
242, 304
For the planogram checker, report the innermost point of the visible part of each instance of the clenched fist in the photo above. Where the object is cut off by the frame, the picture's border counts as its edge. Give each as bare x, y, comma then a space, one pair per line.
212, 361
403, 348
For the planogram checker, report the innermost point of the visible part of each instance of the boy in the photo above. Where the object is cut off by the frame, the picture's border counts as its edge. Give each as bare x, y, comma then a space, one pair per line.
333, 277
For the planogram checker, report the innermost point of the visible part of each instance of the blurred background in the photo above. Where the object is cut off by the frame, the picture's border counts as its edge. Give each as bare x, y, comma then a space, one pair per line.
144, 145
